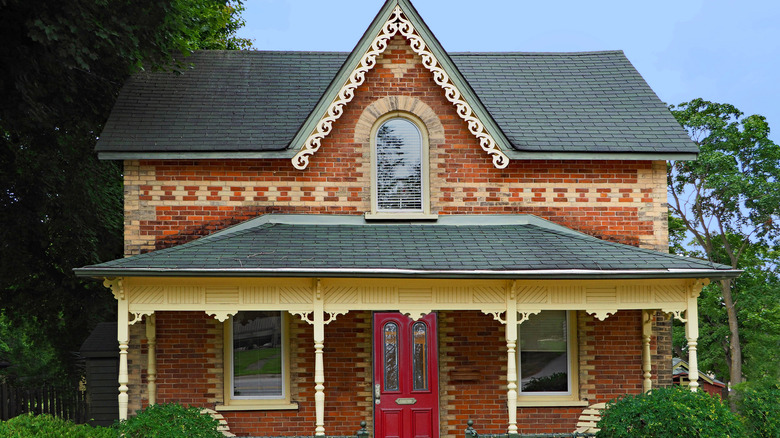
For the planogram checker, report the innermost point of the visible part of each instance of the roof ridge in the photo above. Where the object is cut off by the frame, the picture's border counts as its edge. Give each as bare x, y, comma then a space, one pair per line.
455, 53
514, 53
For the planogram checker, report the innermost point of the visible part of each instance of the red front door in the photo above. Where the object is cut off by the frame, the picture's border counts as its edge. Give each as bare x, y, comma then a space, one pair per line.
406, 379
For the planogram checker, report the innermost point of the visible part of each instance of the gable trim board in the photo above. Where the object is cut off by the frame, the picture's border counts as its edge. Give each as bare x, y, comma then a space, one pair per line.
401, 21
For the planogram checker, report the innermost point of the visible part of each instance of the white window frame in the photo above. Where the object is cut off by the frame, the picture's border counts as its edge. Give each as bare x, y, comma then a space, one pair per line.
425, 211
232, 402
554, 398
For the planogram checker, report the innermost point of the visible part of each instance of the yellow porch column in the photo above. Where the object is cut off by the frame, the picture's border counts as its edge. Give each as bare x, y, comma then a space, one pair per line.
692, 334
319, 367
647, 332
151, 355
511, 363
123, 336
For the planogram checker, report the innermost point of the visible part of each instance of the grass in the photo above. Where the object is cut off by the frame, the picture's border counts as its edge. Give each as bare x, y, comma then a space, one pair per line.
244, 359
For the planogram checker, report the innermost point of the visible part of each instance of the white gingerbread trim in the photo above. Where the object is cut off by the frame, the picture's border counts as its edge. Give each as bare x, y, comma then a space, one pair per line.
395, 24
221, 315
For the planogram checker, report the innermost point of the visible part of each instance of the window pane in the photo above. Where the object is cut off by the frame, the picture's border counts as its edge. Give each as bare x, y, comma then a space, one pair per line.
399, 166
257, 355
544, 361
391, 356
420, 356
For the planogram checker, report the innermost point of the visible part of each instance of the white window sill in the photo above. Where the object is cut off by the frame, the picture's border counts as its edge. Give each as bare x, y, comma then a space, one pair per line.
537, 403
385, 216
275, 406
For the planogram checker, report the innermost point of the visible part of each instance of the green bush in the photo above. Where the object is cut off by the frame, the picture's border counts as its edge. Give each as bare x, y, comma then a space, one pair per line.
669, 412
47, 426
170, 421
759, 404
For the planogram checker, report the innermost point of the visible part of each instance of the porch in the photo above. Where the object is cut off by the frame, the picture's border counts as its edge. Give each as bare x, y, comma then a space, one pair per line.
477, 342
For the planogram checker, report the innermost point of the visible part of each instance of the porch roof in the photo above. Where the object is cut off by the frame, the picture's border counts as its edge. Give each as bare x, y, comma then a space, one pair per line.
463, 246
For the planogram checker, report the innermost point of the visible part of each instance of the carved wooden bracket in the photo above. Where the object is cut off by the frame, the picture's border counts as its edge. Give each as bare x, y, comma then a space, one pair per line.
602, 314
525, 315
698, 285
496, 315
305, 316
677, 314
138, 316
416, 313
115, 284
221, 315
332, 316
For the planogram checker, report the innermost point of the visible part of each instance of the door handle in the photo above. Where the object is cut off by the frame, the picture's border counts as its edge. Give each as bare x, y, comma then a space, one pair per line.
377, 393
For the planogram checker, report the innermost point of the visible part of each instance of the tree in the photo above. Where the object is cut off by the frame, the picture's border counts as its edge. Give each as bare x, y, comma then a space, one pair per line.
61, 67
729, 202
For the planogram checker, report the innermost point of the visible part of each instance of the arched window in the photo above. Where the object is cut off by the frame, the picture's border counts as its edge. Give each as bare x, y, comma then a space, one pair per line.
399, 166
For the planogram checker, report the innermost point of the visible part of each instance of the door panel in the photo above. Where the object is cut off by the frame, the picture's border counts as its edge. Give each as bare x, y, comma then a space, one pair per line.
406, 377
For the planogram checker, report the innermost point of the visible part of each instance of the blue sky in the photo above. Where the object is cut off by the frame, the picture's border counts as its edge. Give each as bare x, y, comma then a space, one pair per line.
724, 51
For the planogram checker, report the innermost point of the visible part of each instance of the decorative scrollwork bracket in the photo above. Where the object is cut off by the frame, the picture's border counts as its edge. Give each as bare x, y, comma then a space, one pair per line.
116, 286
138, 316
305, 316
332, 316
601, 315
496, 315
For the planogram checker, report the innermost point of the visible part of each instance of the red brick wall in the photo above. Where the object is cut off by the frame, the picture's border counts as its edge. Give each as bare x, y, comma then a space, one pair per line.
188, 349
474, 342
169, 202
613, 350
469, 341
189, 368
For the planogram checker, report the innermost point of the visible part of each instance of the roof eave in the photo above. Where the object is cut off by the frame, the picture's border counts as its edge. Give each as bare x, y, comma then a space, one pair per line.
553, 274
189, 155
289, 153
639, 156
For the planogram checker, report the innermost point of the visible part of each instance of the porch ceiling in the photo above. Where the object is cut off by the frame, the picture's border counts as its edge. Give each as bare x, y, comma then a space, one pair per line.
465, 246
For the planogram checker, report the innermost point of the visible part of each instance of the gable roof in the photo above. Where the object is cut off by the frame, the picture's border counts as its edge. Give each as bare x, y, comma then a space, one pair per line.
250, 104
463, 246
399, 17
269, 104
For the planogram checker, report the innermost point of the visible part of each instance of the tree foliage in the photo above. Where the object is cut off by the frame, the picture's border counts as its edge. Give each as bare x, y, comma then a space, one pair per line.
61, 67
729, 202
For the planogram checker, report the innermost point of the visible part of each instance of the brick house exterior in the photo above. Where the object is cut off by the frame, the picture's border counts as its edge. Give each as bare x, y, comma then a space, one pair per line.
194, 180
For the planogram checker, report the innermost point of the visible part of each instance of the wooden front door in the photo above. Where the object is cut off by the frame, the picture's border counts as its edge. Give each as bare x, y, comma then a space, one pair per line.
406, 379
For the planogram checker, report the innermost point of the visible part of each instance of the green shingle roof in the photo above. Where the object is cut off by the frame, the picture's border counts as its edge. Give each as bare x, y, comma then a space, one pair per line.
573, 102
456, 246
225, 101
253, 102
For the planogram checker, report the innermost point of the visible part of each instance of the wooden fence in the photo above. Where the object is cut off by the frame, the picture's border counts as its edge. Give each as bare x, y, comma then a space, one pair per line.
66, 403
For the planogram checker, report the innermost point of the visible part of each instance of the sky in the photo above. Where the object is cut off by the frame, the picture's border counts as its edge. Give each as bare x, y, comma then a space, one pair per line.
724, 51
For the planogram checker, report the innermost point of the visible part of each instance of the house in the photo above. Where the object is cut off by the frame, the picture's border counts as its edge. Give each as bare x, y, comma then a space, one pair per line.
707, 383
398, 235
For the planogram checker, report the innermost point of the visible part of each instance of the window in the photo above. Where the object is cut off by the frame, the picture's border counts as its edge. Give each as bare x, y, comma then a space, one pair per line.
399, 170
547, 356
256, 361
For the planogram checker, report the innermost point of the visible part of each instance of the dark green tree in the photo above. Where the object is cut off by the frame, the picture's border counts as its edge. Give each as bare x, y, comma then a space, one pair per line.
62, 65
729, 202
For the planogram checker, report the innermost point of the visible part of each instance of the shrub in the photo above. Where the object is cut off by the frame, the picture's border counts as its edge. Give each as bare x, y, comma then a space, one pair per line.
759, 404
47, 426
170, 421
669, 412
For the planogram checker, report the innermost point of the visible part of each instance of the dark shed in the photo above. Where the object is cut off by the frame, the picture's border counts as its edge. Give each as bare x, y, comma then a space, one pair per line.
101, 352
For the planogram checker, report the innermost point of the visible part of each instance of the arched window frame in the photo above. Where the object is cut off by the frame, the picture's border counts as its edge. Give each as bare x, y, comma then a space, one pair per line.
425, 211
